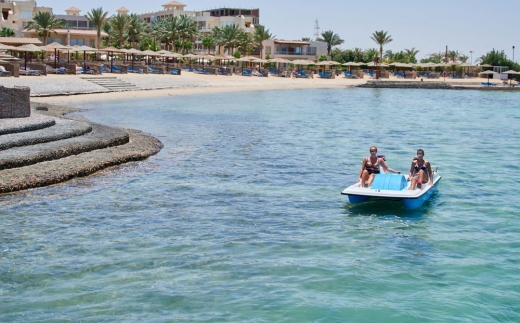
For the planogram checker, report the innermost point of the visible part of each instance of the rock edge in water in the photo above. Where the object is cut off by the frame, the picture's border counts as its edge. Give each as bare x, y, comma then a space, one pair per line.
139, 147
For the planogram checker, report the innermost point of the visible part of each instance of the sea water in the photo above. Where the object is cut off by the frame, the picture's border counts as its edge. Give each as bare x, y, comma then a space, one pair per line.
240, 218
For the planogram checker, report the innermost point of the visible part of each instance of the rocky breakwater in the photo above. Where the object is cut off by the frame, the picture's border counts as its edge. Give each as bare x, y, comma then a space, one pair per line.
50, 147
380, 84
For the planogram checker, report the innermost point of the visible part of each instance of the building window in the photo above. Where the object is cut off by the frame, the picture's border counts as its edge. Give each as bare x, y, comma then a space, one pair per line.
51, 40
311, 51
82, 24
79, 42
268, 50
25, 14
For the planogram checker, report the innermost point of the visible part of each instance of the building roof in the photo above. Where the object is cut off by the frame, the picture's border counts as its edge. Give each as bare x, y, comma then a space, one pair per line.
19, 41
173, 4
123, 9
294, 42
73, 9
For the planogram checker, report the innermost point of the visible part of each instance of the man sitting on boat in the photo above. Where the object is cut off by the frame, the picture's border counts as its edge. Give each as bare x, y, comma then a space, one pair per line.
420, 171
370, 167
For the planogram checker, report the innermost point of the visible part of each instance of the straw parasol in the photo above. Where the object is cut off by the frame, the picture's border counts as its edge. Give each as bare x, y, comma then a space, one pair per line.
111, 50
27, 48
84, 49
488, 73
55, 46
511, 72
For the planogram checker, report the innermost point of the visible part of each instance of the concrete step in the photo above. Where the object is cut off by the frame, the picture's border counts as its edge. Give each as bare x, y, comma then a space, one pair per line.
17, 125
63, 129
99, 138
111, 83
139, 147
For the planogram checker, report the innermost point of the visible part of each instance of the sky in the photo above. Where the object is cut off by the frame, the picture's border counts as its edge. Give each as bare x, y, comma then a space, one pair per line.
429, 26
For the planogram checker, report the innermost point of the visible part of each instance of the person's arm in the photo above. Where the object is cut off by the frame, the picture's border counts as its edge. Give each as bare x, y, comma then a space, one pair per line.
362, 168
411, 171
386, 167
430, 172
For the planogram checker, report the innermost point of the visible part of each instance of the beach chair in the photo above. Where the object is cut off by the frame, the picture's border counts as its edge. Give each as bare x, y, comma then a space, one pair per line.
222, 72
87, 71
488, 84
152, 71
187, 69
5, 73
115, 69
246, 73
131, 70
303, 74
347, 74
29, 72
176, 71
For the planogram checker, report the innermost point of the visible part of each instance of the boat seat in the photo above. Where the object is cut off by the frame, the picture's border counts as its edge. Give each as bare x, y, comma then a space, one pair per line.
394, 182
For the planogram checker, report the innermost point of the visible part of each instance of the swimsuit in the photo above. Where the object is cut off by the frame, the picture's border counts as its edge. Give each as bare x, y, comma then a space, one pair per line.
372, 169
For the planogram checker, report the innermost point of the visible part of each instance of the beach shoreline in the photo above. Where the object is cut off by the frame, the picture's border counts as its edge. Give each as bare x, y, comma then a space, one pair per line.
70, 89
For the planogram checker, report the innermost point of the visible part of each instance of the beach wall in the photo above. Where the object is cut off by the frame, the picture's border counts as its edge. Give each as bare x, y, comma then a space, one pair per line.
405, 85
15, 102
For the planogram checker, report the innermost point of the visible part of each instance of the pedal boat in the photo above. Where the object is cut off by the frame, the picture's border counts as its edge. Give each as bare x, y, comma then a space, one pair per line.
392, 187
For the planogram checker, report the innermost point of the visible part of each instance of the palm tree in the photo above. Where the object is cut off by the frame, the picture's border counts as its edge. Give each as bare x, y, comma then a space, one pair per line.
247, 42
463, 58
331, 39
260, 35
187, 30
437, 57
208, 42
136, 29
171, 30
453, 55
44, 23
410, 54
369, 54
98, 18
306, 39
119, 25
230, 37
389, 55
216, 35
381, 38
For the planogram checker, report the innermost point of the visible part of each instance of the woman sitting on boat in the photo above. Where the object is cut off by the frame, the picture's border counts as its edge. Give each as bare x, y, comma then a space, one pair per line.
420, 171
370, 167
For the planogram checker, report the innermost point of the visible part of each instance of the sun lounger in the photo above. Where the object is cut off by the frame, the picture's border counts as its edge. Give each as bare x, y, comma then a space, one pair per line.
151, 70
246, 73
5, 73
88, 71
115, 69
176, 71
303, 74
29, 72
131, 70
222, 72
324, 75
187, 69
488, 84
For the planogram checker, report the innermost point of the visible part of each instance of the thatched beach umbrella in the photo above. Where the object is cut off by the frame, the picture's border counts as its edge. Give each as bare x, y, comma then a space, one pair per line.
55, 46
28, 48
510, 72
488, 73
110, 50
85, 50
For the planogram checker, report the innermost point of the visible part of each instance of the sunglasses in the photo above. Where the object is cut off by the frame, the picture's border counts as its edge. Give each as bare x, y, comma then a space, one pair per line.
373, 151
420, 155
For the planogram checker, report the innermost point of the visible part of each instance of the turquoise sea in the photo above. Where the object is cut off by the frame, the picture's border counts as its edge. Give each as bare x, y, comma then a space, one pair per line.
240, 218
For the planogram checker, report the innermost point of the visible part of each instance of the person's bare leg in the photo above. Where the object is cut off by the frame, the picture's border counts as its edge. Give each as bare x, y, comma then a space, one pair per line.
413, 182
364, 178
371, 179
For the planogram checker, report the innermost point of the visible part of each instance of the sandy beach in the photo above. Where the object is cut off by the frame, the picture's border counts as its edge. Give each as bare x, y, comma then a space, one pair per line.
62, 86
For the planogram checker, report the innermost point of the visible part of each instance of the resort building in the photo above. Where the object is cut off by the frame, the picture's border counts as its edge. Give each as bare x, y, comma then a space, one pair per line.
16, 14
246, 19
293, 49
79, 30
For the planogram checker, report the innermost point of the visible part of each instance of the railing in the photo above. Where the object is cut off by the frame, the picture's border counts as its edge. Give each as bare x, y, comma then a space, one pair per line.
286, 52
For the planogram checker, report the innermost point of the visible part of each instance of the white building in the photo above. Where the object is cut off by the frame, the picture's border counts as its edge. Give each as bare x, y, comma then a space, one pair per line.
293, 49
16, 14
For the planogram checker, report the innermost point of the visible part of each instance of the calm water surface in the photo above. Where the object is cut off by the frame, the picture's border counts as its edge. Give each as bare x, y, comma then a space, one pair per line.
240, 218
